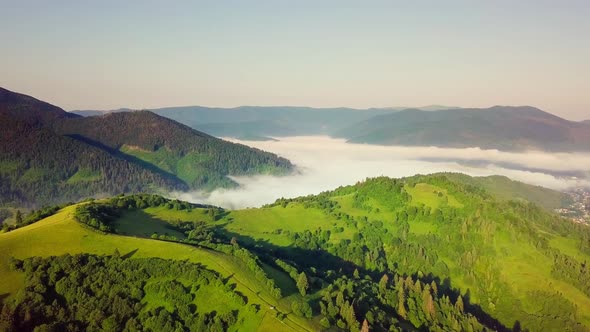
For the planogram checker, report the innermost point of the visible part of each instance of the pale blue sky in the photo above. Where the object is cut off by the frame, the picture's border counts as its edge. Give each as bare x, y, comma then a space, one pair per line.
145, 54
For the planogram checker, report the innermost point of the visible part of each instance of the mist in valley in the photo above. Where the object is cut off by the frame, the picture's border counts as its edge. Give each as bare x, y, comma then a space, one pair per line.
325, 163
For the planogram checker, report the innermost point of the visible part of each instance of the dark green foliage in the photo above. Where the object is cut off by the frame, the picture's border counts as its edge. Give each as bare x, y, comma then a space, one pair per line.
94, 293
50, 156
302, 284
572, 271
462, 235
101, 215
4, 214
301, 308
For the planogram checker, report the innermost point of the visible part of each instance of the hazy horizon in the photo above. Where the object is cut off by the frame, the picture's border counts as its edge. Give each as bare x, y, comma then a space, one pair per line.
145, 55
326, 163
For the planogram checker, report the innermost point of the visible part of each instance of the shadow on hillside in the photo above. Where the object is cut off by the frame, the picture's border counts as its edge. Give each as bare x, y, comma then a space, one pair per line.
130, 254
308, 258
138, 223
474, 309
3, 296
129, 158
305, 258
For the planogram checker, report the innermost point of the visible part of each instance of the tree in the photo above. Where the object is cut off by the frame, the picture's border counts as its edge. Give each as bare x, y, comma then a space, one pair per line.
365, 327
356, 274
401, 306
459, 304
302, 284
18, 217
383, 282
428, 304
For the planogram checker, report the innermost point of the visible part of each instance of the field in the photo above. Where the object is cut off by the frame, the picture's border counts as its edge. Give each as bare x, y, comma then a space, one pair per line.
431, 196
60, 234
262, 224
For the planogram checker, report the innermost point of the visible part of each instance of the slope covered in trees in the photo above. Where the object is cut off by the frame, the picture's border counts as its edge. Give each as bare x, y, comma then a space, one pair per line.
196, 158
49, 156
426, 252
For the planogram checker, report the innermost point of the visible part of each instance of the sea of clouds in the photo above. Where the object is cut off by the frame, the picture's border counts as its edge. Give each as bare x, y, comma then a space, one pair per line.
324, 163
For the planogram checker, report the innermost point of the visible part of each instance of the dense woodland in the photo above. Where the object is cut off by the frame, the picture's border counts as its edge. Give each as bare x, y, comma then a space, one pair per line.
49, 156
108, 293
464, 236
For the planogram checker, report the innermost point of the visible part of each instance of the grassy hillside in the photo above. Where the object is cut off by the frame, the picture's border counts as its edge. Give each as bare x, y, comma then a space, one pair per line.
498, 127
504, 188
436, 252
502, 255
60, 234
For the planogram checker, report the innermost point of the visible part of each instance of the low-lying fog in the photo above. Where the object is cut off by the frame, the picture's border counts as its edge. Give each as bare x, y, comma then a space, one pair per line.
325, 163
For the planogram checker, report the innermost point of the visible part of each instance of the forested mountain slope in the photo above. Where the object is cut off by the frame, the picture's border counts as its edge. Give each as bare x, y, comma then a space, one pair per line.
499, 127
512, 260
421, 253
50, 156
195, 157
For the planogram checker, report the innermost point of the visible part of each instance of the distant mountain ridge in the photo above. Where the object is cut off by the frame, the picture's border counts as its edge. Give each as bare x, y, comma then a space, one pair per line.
509, 128
246, 122
50, 156
499, 127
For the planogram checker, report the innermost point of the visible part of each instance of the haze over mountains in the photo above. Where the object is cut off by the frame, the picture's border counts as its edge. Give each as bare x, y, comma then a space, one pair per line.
253, 122
49, 155
499, 127
505, 128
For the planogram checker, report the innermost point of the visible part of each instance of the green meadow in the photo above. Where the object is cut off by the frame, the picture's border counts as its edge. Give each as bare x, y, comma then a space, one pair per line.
60, 234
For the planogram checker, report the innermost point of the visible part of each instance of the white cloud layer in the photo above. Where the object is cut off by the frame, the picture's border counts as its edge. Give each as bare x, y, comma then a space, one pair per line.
325, 163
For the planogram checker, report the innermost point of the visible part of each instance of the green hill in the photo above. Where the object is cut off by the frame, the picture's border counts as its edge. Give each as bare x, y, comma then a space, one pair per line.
498, 127
199, 160
60, 234
436, 252
504, 188
50, 156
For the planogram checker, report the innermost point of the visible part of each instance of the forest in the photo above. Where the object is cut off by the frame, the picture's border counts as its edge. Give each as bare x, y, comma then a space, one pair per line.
375, 256
49, 156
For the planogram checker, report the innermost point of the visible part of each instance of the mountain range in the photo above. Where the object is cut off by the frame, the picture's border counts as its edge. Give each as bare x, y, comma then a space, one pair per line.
499, 127
253, 122
506, 128
48, 155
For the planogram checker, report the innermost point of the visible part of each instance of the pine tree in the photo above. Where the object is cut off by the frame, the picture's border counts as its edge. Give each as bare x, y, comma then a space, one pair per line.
459, 304
340, 299
434, 288
383, 282
428, 304
302, 284
19, 217
401, 305
356, 274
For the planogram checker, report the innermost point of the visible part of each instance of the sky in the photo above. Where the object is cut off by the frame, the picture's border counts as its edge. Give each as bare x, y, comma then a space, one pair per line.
148, 54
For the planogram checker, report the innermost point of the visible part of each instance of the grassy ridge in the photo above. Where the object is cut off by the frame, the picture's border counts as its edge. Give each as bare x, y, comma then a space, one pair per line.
60, 234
